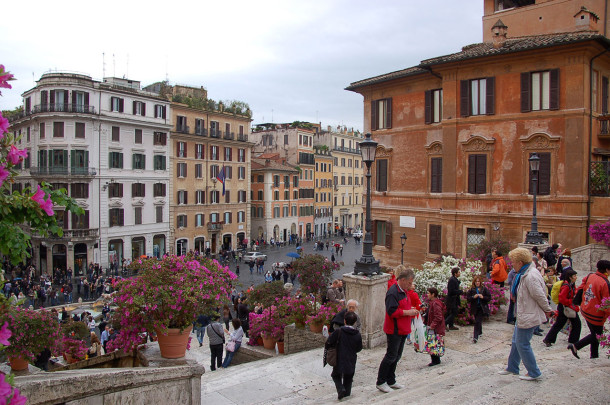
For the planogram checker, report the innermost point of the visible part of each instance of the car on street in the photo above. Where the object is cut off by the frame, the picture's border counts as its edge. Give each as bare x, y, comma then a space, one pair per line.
254, 256
357, 234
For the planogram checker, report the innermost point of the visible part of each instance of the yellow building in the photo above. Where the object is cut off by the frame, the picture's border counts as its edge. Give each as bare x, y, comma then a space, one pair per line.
323, 203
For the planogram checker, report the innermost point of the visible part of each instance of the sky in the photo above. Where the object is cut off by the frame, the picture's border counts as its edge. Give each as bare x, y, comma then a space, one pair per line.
289, 60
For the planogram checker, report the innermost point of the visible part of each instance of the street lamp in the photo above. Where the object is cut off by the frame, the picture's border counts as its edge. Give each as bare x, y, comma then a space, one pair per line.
367, 263
533, 237
403, 240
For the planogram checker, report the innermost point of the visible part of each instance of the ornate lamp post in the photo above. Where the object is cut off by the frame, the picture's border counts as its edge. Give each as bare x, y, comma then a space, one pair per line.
533, 237
367, 263
403, 240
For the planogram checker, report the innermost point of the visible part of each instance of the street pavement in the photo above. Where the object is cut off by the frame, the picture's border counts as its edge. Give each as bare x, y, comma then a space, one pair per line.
351, 252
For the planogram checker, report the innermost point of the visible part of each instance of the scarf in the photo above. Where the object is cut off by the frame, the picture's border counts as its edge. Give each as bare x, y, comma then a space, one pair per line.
478, 299
517, 280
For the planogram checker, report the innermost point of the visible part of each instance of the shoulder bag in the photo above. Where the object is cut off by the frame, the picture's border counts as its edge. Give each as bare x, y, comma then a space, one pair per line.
231, 346
330, 354
577, 300
219, 335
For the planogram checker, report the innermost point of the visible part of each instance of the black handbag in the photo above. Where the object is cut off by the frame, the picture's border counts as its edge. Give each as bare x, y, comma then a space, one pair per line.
577, 300
330, 354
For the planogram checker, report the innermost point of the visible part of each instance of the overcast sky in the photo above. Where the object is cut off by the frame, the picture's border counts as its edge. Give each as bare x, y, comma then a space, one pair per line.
289, 60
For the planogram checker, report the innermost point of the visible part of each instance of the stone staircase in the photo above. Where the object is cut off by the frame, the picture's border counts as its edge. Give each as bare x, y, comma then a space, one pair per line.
468, 374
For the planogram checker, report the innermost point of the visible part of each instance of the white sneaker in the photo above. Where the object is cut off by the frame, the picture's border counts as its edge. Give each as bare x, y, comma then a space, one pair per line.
384, 388
397, 386
505, 372
528, 378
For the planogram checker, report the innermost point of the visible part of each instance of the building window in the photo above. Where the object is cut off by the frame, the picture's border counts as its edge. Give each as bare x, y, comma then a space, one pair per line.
199, 126
116, 104
214, 152
433, 106
477, 96
285, 139
434, 240
436, 175
181, 170
507, 4
116, 134
544, 175
159, 162
79, 190
540, 90
160, 111
199, 151
214, 169
115, 190
160, 138
115, 160
159, 214
181, 149
42, 130
116, 217
198, 171
241, 216
139, 108
214, 196
382, 233
80, 221
228, 154
138, 161
381, 175
241, 173
198, 220
241, 155
79, 130
228, 217
182, 197
137, 214
477, 174
138, 190
199, 197
241, 196
181, 222
58, 130
474, 236
159, 190
138, 136
381, 114
215, 129
227, 196
181, 124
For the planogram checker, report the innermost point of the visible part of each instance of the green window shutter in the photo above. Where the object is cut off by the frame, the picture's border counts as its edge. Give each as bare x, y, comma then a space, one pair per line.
73, 159
120, 160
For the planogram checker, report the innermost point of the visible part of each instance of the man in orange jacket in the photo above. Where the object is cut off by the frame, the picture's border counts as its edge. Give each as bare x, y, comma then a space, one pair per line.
595, 288
498, 272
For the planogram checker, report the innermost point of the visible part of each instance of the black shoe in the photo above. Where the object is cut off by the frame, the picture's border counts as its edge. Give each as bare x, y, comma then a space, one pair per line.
474, 340
454, 328
433, 364
341, 395
573, 349
538, 333
548, 344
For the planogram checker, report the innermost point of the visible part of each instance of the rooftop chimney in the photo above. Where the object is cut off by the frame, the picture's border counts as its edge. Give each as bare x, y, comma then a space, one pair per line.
499, 31
585, 20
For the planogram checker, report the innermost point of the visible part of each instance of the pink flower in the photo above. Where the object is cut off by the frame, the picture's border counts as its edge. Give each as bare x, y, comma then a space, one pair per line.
16, 155
3, 174
39, 196
4, 124
18, 399
5, 388
5, 334
47, 206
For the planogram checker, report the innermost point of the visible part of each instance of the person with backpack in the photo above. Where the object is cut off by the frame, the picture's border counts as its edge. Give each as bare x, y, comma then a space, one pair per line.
498, 272
595, 288
563, 299
550, 254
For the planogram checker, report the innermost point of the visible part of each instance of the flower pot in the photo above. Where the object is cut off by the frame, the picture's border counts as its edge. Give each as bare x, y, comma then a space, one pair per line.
17, 363
69, 358
300, 325
316, 328
259, 341
280, 347
268, 343
173, 343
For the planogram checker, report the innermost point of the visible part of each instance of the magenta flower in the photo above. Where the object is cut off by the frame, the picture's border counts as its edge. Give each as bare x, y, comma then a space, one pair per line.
5, 334
5, 77
3, 174
16, 155
39, 196
18, 399
4, 124
47, 206
5, 388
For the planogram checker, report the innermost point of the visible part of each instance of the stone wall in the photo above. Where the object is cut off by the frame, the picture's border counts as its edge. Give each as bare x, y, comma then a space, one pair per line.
585, 258
163, 385
300, 340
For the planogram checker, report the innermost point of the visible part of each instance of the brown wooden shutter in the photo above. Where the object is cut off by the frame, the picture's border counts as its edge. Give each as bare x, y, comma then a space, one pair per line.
177, 149
133, 189
554, 90
121, 217
472, 166
544, 175
86, 224
490, 90
388, 235
134, 107
143, 109
382, 175
66, 95
481, 174
374, 115
428, 106
121, 105
86, 100
164, 110
434, 245
388, 114
52, 97
604, 95
526, 98
73, 101
43, 97
436, 179
464, 98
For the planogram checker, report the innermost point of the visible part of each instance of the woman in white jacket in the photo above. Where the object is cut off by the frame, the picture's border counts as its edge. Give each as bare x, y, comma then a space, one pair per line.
531, 309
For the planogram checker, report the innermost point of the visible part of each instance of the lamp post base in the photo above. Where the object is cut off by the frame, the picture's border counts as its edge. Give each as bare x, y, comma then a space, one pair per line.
533, 238
367, 266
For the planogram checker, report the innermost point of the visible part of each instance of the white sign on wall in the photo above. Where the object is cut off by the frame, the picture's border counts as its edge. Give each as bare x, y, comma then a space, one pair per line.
407, 222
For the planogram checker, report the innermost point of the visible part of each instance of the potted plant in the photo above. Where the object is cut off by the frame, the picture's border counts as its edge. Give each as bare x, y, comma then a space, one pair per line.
324, 316
165, 298
32, 332
315, 273
73, 349
255, 330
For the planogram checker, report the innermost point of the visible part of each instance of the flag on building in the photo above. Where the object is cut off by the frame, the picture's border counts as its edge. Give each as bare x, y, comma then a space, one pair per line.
221, 178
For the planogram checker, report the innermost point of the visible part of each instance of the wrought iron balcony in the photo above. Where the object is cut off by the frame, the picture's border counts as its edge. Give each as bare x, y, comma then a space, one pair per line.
56, 107
229, 135
63, 171
600, 179
184, 129
201, 131
243, 138
347, 150
215, 133
603, 125
215, 226
73, 235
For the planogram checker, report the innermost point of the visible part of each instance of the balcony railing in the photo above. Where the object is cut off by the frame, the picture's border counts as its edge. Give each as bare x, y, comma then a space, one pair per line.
215, 226
600, 179
56, 107
229, 135
215, 133
201, 131
83, 171
348, 150
73, 235
242, 137
62, 171
184, 129
603, 125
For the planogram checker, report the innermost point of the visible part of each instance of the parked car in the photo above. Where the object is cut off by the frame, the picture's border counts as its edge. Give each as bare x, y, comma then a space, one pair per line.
357, 234
254, 256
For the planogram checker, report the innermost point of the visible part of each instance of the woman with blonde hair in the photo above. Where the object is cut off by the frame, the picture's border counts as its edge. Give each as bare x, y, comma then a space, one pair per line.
96, 346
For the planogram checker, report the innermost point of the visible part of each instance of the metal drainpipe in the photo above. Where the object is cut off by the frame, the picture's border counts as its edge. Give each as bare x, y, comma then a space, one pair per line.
590, 140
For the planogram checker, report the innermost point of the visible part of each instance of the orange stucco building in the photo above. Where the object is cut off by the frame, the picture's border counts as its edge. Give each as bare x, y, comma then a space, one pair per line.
455, 134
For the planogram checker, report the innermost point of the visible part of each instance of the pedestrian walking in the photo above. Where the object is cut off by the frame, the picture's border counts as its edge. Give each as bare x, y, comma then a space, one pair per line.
348, 341
478, 297
566, 295
453, 298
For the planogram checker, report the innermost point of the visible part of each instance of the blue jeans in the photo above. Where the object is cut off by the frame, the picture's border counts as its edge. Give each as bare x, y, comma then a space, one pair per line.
200, 334
229, 355
387, 368
521, 350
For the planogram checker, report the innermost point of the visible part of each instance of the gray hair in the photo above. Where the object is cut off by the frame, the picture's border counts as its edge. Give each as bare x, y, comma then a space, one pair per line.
353, 301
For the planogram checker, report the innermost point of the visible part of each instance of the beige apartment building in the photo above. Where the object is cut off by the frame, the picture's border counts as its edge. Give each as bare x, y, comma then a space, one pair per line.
209, 142
323, 203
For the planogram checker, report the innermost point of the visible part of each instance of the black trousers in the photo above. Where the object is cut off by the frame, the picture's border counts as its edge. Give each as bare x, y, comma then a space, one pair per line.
478, 322
452, 312
435, 359
551, 337
216, 352
343, 382
387, 368
591, 339
500, 283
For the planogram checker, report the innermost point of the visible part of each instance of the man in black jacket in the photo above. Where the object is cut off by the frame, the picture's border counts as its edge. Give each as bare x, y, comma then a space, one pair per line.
349, 343
453, 298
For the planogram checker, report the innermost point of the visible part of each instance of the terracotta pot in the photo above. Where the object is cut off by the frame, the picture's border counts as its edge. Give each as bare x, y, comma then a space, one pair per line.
280, 347
268, 343
316, 328
173, 343
17, 363
259, 341
300, 325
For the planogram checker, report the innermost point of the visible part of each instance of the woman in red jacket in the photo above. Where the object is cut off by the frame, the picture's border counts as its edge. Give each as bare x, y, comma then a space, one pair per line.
567, 292
436, 319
